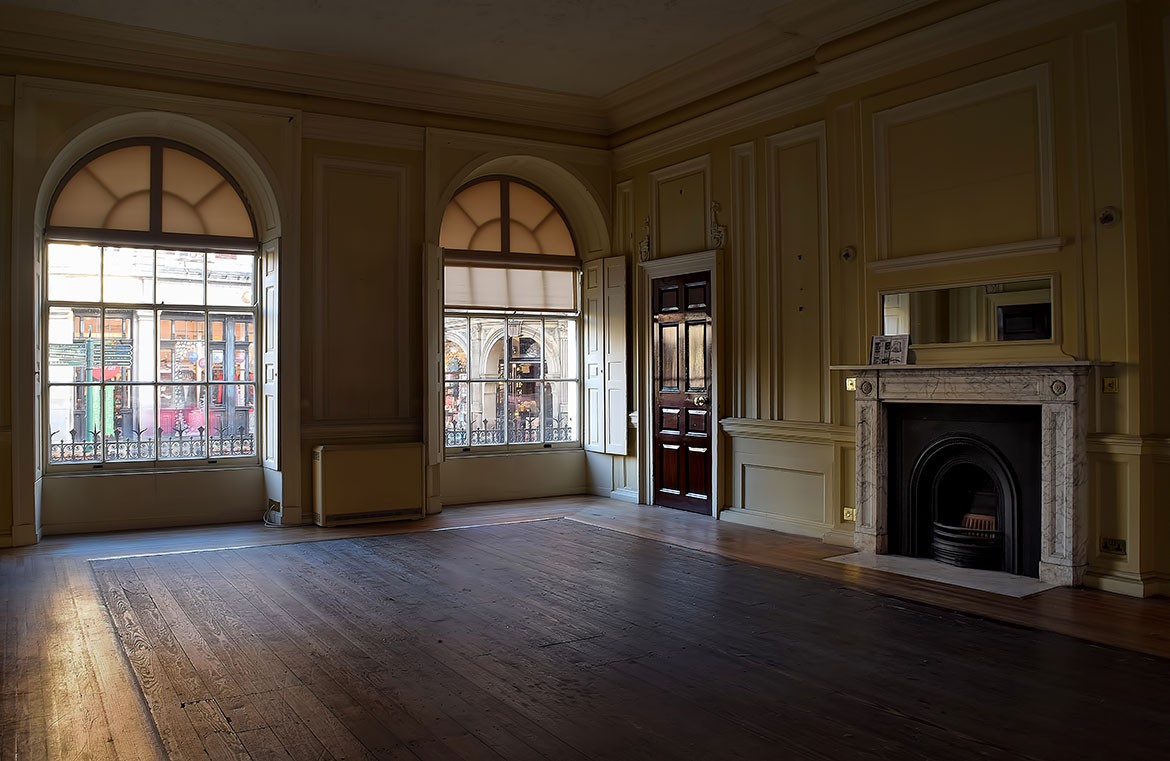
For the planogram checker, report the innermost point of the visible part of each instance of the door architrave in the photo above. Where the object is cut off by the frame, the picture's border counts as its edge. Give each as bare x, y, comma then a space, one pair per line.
672, 266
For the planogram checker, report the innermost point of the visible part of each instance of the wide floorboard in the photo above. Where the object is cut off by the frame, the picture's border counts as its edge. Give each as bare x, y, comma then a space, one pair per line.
69, 689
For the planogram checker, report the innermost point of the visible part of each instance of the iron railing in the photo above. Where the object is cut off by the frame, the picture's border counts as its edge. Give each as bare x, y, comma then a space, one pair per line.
181, 445
518, 432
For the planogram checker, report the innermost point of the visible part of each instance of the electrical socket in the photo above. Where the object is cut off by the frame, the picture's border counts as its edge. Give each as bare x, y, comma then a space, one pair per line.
849, 514
1110, 385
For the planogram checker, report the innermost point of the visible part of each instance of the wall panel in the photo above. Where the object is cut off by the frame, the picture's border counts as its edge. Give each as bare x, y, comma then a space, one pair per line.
680, 202
744, 301
798, 227
966, 168
365, 293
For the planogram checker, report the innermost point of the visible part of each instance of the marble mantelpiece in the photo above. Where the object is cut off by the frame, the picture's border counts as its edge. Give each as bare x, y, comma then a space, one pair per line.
1060, 389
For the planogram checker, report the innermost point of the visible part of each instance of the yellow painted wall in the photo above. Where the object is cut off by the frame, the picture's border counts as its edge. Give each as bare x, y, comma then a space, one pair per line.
981, 166
1005, 151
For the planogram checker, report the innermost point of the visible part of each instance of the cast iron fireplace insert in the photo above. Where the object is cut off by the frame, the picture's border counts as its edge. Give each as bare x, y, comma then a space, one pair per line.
964, 484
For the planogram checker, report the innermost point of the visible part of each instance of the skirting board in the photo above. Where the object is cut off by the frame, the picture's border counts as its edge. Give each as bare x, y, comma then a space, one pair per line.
1133, 585
776, 523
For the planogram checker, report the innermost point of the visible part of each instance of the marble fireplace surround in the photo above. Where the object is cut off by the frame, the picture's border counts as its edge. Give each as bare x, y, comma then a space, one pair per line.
1060, 389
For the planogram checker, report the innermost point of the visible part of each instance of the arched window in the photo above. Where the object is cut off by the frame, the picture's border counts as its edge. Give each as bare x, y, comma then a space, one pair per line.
510, 366
150, 310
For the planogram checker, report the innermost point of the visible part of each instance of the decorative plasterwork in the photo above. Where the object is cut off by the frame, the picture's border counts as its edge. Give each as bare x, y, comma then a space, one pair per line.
791, 33
1022, 248
1061, 392
343, 129
976, 27
75, 39
1034, 78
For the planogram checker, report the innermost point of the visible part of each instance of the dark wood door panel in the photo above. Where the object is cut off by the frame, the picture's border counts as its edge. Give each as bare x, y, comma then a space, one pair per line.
682, 388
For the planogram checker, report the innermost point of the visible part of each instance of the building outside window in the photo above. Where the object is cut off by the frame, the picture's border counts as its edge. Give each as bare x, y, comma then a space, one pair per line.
151, 311
511, 374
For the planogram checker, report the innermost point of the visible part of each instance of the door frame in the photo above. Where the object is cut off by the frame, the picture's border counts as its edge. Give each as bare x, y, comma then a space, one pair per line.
701, 261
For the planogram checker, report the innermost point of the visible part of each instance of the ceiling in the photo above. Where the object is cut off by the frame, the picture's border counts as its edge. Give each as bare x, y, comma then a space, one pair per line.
588, 48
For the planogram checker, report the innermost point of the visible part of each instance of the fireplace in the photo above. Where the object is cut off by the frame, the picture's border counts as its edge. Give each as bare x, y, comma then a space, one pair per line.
1023, 520
964, 485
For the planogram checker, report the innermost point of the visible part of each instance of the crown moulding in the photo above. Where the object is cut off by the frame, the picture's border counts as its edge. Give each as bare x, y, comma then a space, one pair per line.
841, 42
64, 38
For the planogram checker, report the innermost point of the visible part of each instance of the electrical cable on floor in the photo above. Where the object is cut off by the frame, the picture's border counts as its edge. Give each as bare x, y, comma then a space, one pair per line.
268, 521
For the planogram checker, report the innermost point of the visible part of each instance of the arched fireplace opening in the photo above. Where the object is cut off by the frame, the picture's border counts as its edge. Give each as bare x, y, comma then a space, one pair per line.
965, 485
964, 504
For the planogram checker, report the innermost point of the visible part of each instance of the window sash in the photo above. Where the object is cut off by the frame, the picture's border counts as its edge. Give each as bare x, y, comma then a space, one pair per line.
510, 382
144, 415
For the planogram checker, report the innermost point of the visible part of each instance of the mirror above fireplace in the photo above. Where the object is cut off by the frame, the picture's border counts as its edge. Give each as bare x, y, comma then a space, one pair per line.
990, 312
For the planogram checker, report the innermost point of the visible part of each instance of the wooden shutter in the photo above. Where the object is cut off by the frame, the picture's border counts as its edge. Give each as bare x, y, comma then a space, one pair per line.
269, 378
593, 294
614, 302
605, 355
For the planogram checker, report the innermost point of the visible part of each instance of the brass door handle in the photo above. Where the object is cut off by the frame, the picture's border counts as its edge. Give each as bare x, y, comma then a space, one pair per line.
701, 400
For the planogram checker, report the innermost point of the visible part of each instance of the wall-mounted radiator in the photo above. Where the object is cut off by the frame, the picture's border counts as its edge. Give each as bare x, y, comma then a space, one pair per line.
362, 483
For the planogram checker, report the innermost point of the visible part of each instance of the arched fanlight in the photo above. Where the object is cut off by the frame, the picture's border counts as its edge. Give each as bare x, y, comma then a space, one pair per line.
149, 191
475, 221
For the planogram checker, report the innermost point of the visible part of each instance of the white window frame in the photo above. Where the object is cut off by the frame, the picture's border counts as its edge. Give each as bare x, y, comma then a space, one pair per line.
158, 307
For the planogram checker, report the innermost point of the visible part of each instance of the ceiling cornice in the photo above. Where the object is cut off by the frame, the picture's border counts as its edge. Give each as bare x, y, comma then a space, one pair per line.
982, 23
73, 39
790, 34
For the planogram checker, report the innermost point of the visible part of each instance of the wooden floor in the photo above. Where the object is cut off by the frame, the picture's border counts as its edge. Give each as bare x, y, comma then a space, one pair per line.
559, 641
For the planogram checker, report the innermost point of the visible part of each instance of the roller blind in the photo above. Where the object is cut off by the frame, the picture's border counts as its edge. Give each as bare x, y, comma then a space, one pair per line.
470, 287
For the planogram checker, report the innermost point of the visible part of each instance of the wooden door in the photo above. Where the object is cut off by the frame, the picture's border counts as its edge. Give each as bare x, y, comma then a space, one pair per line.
683, 428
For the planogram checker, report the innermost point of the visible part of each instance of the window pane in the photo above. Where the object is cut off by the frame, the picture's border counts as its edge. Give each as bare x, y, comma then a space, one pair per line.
524, 348
561, 406
233, 420
129, 275
198, 199
487, 347
129, 345
236, 346
75, 344
180, 277
696, 356
231, 280
75, 272
130, 422
472, 220
486, 413
668, 366
455, 414
524, 412
455, 348
111, 191
182, 416
182, 357
74, 424
560, 348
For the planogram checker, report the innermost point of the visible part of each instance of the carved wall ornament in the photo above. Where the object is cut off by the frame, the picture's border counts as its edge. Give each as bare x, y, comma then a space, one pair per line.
718, 231
1059, 387
644, 244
